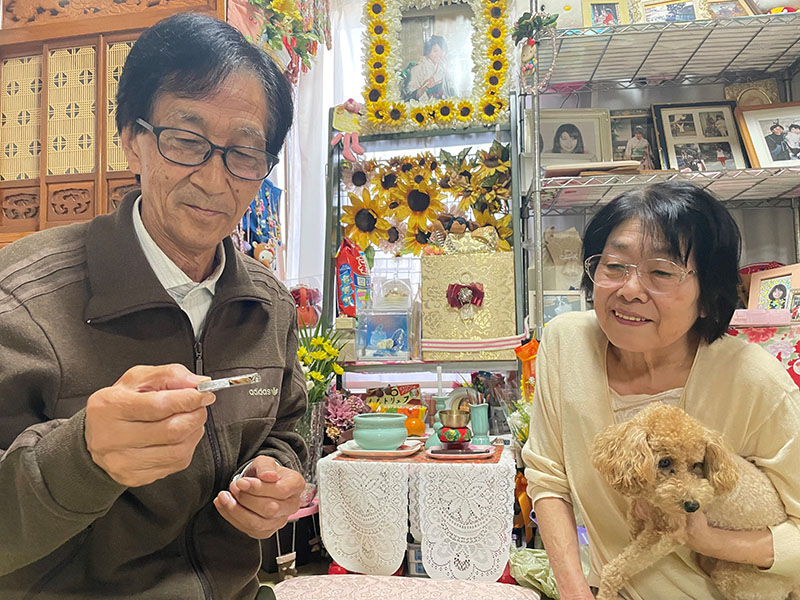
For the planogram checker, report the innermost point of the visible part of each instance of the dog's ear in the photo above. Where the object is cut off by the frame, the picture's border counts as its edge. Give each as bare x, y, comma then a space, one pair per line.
719, 467
623, 456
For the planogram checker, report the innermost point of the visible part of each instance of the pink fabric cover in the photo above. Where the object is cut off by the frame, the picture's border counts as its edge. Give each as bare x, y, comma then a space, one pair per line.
782, 342
378, 587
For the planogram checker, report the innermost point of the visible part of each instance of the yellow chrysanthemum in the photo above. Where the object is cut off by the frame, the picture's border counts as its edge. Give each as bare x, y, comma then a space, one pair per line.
377, 27
416, 240
364, 220
337, 369
396, 114
385, 181
317, 341
445, 110
490, 163
421, 203
317, 375
376, 8
319, 355
496, 32
301, 352
378, 112
488, 110
464, 110
377, 78
504, 232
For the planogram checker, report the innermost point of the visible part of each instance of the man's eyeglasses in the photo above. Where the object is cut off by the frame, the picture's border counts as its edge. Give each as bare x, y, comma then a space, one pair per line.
191, 149
658, 275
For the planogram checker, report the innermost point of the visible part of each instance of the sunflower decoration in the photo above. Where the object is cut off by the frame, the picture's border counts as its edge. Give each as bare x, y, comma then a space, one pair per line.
444, 111
376, 8
494, 80
377, 78
494, 50
364, 221
421, 202
429, 163
417, 239
419, 116
379, 48
488, 109
416, 176
498, 65
401, 164
374, 93
395, 238
464, 111
497, 32
385, 180
493, 12
495, 160
378, 113
357, 175
504, 232
396, 114
499, 103
377, 63
377, 27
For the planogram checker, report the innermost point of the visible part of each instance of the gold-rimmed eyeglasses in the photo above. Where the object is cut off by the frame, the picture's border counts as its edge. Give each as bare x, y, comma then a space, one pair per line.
658, 275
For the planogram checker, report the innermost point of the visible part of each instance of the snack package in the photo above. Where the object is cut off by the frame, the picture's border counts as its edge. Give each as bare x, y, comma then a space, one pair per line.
352, 279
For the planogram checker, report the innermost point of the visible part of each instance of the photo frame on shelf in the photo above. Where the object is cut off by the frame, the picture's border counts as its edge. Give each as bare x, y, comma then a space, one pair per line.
670, 11
625, 125
794, 305
770, 289
728, 9
771, 134
754, 93
433, 64
573, 135
557, 302
698, 136
600, 13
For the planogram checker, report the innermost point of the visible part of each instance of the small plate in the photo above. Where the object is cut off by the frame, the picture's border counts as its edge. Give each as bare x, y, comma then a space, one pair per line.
488, 451
351, 448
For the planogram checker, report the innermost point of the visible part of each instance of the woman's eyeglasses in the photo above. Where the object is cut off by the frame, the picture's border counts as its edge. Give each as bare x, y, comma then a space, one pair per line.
658, 275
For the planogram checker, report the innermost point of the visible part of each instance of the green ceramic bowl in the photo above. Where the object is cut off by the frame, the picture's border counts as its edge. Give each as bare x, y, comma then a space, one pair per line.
380, 431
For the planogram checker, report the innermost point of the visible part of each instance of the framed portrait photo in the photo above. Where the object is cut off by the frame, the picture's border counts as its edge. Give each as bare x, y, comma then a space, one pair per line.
771, 134
701, 136
727, 9
557, 302
669, 11
770, 289
433, 64
794, 305
573, 135
633, 137
597, 13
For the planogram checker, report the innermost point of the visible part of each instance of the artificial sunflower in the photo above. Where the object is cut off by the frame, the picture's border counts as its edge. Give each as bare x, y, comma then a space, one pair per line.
374, 93
496, 32
403, 164
429, 163
396, 113
377, 63
493, 12
385, 180
357, 175
378, 112
364, 220
498, 65
504, 232
395, 238
379, 48
488, 110
377, 8
416, 240
491, 162
416, 176
464, 110
499, 103
377, 27
421, 202
419, 116
496, 49
445, 110
494, 80
377, 78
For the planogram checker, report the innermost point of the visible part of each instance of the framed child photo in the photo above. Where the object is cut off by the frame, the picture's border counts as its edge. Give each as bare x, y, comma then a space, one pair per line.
597, 13
771, 134
700, 136
770, 289
669, 11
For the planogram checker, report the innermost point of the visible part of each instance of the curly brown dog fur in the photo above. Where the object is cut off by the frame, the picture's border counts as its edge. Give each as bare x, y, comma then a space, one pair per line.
668, 459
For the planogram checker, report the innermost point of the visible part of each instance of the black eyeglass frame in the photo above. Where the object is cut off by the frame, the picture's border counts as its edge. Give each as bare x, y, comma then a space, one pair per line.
272, 160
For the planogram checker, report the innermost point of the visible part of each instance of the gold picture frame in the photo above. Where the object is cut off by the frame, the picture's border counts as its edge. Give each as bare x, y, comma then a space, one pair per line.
765, 146
600, 13
729, 9
754, 93
669, 11
418, 80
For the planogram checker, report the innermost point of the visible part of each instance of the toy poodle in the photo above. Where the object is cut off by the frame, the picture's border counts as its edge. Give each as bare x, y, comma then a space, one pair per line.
677, 466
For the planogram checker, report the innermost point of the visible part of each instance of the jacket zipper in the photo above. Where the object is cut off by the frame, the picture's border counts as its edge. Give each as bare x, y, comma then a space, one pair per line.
211, 430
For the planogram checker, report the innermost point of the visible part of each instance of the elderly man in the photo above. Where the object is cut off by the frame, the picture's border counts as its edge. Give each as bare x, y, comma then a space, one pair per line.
118, 477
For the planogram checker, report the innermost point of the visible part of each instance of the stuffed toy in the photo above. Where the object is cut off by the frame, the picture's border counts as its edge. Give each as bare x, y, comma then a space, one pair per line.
306, 300
265, 254
345, 121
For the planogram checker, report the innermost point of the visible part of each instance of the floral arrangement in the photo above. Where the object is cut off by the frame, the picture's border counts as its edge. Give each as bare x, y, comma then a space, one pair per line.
385, 109
341, 407
317, 351
396, 204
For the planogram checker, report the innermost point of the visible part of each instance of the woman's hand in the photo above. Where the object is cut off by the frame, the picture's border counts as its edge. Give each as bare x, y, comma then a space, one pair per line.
699, 533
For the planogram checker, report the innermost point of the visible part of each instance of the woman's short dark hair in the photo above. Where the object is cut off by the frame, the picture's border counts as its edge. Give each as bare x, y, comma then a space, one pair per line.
434, 40
691, 222
191, 55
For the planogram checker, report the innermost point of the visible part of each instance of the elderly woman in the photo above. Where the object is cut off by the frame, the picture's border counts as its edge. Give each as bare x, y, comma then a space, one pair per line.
661, 264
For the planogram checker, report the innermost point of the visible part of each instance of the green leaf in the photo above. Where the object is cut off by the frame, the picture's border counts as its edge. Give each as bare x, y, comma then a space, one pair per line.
369, 255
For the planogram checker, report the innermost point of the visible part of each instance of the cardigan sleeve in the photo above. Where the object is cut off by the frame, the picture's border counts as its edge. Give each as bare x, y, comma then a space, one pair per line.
543, 453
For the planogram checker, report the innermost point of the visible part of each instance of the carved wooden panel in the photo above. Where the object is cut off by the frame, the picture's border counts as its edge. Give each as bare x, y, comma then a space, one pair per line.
118, 189
19, 209
68, 202
18, 13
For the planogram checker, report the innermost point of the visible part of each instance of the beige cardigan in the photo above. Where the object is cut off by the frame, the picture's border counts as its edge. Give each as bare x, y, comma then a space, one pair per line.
734, 387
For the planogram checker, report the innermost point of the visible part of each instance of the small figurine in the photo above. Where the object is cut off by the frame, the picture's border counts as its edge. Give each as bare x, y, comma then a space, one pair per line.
306, 300
528, 65
265, 254
345, 121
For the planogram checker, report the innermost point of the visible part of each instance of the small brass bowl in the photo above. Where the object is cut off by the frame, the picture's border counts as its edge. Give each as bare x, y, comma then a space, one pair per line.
454, 418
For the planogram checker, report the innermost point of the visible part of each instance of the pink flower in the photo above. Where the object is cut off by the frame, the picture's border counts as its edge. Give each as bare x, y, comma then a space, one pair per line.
759, 335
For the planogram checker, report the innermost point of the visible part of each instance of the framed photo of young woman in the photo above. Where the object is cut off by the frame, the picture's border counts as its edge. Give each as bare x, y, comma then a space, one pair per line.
770, 289
699, 136
771, 133
573, 135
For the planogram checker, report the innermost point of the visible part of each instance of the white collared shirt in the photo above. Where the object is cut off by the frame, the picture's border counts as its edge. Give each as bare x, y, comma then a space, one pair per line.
194, 298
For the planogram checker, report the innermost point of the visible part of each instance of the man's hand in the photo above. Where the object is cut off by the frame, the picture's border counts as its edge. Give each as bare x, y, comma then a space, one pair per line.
260, 503
147, 425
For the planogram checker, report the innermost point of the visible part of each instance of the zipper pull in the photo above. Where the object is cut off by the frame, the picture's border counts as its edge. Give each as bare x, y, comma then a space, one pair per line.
198, 358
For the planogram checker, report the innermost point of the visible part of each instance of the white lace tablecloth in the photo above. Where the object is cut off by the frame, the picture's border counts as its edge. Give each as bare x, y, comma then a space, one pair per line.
461, 513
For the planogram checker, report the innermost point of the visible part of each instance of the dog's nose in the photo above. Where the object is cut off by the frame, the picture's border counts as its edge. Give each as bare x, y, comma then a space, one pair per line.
691, 505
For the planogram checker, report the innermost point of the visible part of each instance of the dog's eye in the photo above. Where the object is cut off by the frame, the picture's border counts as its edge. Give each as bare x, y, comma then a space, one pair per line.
665, 463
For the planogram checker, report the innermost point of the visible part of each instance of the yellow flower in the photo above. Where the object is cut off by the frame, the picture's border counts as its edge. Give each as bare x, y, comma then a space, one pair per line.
317, 341
396, 113
445, 111
374, 93
385, 181
364, 220
378, 112
302, 352
496, 32
499, 103
496, 49
337, 369
421, 202
377, 27
488, 110
379, 48
504, 232
307, 360
376, 8
286, 7
464, 111
317, 375
494, 80
490, 163
319, 355
419, 116
416, 240
377, 63
377, 78
493, 12
498, 65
